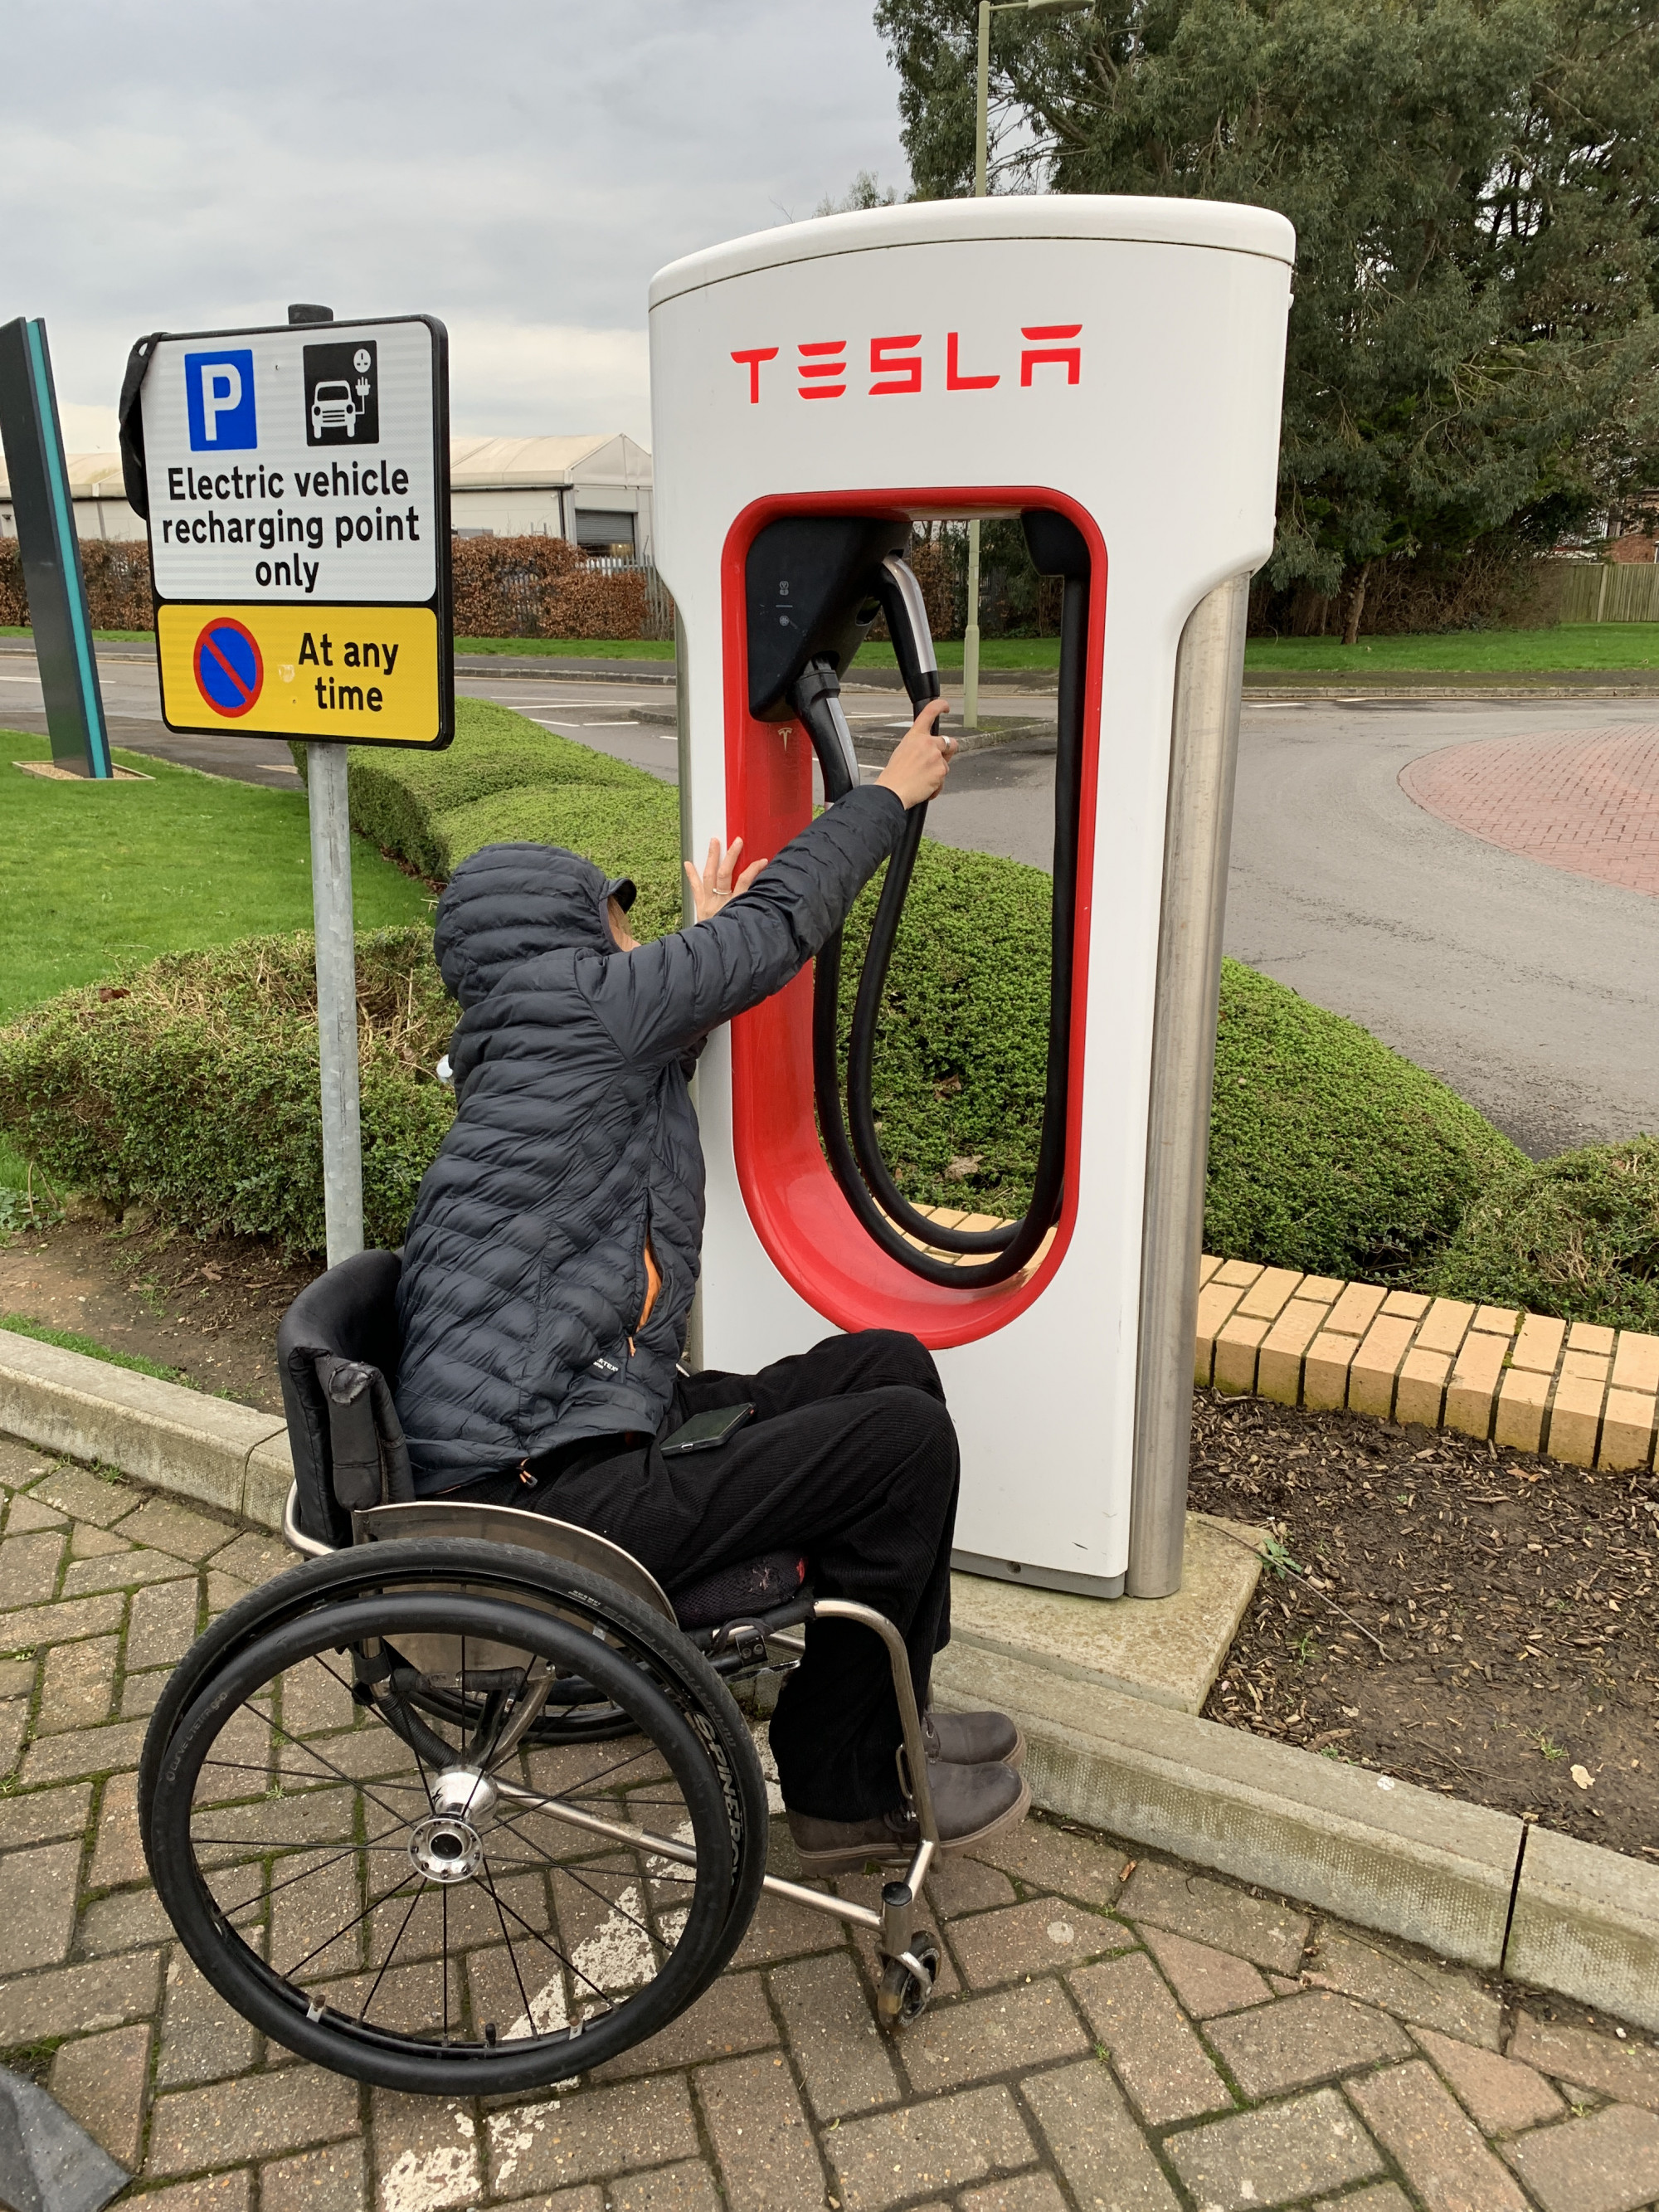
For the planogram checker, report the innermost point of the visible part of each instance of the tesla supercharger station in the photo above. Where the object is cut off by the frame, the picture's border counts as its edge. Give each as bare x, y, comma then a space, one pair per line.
1109, 369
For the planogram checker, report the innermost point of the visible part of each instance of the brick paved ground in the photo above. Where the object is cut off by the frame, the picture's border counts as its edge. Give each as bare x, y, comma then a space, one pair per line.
1587, 800
1109, 2035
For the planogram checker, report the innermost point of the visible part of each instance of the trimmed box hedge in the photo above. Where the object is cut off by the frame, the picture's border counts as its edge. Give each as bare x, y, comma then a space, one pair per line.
191, 1086
1329, 1152
1576, 1236
398, 798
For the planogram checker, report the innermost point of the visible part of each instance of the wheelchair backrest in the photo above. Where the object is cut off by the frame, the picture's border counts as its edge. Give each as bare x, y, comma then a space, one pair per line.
337, 1357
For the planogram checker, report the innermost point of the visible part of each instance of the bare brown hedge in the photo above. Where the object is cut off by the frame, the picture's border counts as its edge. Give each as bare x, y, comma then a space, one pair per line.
541, 587
117, 571
504, 587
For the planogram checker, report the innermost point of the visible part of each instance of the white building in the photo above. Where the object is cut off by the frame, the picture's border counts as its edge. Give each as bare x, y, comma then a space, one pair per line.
594, 491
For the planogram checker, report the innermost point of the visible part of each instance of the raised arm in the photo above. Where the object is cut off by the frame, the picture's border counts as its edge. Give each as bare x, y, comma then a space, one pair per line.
659, 999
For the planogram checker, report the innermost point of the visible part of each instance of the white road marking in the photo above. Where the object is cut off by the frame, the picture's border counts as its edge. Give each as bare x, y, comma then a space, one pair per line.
421, 2181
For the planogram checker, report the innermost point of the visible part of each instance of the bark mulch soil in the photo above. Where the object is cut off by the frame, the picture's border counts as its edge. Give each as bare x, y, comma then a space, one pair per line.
1479, 1621
1515, 1601
208, 1309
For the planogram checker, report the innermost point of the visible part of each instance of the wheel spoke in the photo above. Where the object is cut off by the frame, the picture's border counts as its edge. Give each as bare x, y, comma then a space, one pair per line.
594, 1781
375, 1843
397, 1939
619, 1909
337, 1962
345, 1927
339, 1773
511, 1955
568, 1963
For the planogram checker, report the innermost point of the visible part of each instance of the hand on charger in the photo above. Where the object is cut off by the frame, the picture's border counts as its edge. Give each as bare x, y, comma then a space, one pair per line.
921, 760
712, 890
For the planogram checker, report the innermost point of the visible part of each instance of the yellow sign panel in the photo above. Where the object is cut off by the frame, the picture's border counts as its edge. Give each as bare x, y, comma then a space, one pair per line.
358, 675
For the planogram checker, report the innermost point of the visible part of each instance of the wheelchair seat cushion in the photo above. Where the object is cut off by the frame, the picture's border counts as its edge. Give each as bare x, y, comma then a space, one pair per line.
730, 1593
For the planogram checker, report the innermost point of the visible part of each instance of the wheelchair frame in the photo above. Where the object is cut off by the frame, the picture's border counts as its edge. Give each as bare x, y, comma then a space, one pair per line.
738, 1647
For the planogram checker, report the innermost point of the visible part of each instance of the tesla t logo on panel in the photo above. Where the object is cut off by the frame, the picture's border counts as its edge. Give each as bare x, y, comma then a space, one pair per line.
821, 369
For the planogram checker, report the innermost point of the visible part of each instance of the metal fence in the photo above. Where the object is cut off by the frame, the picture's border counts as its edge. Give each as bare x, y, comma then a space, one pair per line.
659, 605
1604, 591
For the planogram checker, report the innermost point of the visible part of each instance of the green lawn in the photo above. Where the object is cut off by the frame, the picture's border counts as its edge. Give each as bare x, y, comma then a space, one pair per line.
994, 652
1571, 645
572, 648
109, 636
98, 874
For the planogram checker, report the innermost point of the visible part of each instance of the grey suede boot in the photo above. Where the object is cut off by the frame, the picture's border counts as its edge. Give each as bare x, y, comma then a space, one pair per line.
972, 1739
970, 1803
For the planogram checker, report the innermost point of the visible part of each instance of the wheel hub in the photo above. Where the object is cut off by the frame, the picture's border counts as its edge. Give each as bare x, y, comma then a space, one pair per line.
447, 1846
446, 1850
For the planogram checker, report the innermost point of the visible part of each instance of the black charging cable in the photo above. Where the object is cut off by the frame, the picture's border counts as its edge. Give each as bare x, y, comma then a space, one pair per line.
856, 1161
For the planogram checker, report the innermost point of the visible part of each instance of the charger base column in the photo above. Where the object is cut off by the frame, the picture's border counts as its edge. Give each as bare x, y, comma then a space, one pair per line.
1203, 759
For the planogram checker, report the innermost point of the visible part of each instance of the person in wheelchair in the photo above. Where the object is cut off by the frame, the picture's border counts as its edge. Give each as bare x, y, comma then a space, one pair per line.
547, 1275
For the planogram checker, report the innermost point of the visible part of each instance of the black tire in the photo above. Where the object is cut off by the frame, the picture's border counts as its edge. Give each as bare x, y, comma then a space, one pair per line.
355, 1614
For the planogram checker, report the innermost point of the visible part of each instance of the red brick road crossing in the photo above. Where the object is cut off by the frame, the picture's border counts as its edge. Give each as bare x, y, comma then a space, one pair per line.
1585, 800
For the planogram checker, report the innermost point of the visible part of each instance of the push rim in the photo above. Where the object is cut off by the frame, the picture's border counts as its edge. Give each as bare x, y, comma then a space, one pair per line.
540, 1947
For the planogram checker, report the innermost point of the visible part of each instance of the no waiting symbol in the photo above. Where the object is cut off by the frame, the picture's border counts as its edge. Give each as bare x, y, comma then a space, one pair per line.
229, 670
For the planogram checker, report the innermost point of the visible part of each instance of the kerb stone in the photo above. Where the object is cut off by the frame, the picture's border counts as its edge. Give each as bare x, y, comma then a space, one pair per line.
1587, 1924
182, 1440
1400, 1859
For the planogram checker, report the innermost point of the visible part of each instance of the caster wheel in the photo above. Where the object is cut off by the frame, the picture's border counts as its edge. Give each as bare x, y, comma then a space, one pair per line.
902, 1995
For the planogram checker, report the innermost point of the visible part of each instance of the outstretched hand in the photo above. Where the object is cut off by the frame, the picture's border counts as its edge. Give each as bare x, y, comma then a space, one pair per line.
715, 887
922, 759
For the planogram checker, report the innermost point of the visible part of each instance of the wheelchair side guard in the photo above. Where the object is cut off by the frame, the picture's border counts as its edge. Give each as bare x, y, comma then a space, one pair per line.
507, 1524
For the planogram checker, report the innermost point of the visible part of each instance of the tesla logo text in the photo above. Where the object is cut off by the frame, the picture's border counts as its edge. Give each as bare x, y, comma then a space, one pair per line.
823, 371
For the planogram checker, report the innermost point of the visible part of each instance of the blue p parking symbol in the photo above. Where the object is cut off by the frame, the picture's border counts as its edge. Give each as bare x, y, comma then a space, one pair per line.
219, 393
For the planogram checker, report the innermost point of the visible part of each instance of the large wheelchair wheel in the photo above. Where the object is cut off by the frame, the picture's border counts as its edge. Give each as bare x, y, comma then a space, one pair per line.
370, 1855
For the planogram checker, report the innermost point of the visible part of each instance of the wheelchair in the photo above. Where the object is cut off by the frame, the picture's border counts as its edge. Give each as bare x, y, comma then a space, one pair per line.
464, 1803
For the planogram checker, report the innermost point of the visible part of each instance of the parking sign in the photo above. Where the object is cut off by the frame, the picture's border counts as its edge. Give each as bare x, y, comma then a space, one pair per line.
296, 484
219, 394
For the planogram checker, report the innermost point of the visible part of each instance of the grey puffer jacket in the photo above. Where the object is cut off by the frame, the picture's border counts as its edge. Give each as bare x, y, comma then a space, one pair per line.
527, 1315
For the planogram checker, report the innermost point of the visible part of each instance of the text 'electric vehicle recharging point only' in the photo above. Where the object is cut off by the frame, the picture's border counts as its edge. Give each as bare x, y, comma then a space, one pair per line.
1109, 371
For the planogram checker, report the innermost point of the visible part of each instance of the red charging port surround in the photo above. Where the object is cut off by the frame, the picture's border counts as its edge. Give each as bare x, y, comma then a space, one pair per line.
812, 1234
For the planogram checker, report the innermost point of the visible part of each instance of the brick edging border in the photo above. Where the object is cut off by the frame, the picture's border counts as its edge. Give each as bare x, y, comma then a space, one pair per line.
1469, 1883
1583, 1393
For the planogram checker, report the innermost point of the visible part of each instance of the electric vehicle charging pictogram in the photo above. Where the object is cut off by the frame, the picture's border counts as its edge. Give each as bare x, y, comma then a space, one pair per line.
1107, 374
230, 670
342, 394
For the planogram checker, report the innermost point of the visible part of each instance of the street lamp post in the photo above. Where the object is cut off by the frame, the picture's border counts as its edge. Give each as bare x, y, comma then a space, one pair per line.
981, 132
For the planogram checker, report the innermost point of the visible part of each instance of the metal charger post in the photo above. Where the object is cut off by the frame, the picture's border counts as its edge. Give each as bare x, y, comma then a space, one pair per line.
337, 997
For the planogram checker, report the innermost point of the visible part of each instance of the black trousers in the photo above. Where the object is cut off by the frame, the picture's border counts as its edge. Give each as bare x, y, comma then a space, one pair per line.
851, 1455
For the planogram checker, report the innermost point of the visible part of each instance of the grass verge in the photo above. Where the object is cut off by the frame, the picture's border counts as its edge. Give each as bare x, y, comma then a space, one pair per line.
1470, 652
1566, 646
106, 636
103, 874
69, 1339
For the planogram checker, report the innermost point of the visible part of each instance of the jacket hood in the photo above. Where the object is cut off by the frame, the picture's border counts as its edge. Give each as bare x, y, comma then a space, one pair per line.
509, 903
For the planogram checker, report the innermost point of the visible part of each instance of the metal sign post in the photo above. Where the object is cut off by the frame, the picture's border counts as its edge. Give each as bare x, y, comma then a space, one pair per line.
296, 481
33, 441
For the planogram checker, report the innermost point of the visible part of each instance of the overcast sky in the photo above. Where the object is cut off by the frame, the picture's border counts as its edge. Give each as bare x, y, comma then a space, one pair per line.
517, 167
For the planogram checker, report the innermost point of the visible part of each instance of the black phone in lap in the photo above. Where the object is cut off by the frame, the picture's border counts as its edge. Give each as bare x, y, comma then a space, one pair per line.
703, 1431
